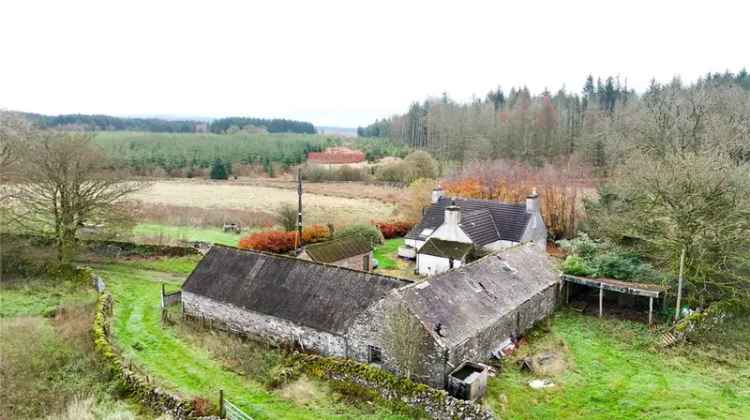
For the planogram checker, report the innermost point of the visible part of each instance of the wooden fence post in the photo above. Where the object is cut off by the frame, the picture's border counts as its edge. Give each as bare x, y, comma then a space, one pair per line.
222, 414
650, 310
601, 299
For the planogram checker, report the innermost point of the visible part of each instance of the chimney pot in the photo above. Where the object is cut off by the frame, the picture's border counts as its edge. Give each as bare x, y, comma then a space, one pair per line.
437, 193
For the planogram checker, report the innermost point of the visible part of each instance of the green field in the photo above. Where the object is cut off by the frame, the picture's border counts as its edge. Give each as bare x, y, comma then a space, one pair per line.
154, 231
615, 371
386, 254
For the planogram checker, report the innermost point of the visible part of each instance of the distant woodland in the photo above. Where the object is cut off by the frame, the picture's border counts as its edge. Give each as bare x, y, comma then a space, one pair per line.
158, 125
598, 125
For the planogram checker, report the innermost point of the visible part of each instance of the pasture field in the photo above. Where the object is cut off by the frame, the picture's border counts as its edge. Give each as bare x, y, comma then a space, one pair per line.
615, 370
166, 234
219, 196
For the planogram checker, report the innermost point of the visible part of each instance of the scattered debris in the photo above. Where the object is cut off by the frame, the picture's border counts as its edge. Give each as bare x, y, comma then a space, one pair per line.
547, 363
670, 337
541, 384
505, 349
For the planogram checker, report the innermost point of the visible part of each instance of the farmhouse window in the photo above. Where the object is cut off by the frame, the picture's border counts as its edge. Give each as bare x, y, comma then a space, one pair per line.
374, 354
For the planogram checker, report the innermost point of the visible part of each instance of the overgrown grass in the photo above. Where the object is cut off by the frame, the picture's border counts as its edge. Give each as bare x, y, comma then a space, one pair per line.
386, 254
47, 364
171, 234
615, 370
181, 365
40, 296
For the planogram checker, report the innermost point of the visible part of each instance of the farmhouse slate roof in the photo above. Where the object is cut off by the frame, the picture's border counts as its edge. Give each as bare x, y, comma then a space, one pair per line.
480, 226
446, 249
338, 249
319, 296
468, 299
509, 220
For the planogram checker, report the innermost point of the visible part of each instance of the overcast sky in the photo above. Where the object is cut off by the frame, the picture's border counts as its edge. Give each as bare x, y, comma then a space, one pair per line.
343, 63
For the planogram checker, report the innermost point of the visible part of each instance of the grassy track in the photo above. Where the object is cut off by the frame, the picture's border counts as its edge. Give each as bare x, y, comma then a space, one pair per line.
189, 370
615, 373
386, 253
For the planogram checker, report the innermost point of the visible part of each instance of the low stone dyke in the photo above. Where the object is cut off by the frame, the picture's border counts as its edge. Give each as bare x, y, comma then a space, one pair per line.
437, 404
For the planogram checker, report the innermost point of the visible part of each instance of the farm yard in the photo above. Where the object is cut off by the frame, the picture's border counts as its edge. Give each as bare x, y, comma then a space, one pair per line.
612, 368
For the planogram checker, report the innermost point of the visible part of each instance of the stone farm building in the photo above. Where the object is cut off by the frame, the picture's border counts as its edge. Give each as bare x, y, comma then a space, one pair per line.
461, 315
352, 251
485, 225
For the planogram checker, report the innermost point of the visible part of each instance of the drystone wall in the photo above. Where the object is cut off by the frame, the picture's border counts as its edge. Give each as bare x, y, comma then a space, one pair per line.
436, 404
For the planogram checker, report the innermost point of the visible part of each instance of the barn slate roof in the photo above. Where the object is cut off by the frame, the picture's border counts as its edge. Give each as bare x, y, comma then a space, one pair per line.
468, 299
319, 296
509, 220
338, 249
446, 249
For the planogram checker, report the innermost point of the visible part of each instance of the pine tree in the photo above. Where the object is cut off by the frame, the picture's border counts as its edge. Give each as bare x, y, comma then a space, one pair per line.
218, 171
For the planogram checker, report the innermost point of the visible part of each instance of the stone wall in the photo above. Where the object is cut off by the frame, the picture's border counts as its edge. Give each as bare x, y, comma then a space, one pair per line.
369, 328
262, 327
436, 404
356, 262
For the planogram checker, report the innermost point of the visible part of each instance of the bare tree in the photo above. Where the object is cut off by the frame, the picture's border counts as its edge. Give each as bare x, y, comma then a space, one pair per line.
64, 182
13, 130
403, 339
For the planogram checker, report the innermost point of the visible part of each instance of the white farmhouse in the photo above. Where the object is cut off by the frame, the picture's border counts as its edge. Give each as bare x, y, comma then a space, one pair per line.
454, 230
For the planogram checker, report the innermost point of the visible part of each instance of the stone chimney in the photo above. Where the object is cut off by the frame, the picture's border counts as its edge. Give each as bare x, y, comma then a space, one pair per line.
532, 202
452, 215
437, 193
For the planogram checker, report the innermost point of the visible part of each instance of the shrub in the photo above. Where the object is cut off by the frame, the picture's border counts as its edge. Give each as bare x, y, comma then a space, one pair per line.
422, 165
287, 217
394, 229
371, 233
316, 173
395, 172
577, 266
581, 245
269, 241
315, 233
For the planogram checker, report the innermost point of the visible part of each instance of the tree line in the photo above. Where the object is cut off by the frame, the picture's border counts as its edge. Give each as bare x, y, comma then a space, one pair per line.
594, 125
157, 125
276, 125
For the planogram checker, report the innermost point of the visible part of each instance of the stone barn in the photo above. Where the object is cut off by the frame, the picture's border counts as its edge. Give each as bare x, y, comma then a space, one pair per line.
462, 315
282, 300
353, 251
424, 330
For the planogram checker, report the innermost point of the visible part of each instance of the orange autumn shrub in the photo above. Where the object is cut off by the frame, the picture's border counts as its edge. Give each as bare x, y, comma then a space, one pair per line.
275, 241
315, 233
394, 229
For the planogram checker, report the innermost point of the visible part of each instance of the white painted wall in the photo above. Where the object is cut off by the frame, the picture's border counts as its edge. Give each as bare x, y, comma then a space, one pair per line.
429, 265
450, 232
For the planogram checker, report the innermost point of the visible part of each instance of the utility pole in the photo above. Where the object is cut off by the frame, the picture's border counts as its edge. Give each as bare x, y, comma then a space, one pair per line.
679, 286
299, 209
